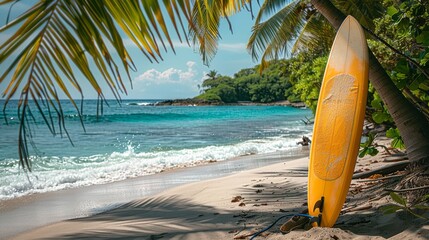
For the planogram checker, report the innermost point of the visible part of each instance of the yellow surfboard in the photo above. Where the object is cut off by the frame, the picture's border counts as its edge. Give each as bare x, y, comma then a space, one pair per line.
338, 123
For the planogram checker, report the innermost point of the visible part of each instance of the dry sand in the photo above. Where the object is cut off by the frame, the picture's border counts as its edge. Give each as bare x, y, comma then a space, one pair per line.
239, 205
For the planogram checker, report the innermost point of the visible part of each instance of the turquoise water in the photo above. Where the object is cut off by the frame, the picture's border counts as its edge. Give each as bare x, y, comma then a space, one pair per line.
135, 139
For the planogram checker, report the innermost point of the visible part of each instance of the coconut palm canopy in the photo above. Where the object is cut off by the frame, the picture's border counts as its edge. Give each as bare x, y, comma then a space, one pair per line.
53, 38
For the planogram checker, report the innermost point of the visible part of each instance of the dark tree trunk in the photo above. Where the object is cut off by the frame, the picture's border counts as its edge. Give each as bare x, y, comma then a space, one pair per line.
412, 124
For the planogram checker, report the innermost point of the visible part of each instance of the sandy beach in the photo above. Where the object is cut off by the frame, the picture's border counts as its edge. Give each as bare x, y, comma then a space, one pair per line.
238, 205
51, 207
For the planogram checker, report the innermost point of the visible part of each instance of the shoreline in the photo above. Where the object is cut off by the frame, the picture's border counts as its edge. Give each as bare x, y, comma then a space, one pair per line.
237, 205
86, 201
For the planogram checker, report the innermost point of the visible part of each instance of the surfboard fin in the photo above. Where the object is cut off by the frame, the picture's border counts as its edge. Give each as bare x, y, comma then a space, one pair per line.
318, 205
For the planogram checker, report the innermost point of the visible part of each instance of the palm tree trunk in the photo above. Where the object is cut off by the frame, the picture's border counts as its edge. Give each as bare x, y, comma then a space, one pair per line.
411, 123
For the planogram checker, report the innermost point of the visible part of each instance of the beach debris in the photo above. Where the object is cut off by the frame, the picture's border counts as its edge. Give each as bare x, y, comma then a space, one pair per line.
375, 176
258, 185
296, 222
357, 208
356, 189
305, 141
237, 199
397, 175
384, 170
395, 158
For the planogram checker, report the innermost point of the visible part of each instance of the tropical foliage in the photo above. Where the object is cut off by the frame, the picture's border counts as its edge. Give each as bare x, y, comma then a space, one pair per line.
401, 203
402, 29
249, 85
56, 44
296, 79
55, 36
405, 28
284, 26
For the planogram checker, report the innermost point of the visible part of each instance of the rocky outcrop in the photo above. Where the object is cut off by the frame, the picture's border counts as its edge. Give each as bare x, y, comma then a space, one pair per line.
199, 102
189, 102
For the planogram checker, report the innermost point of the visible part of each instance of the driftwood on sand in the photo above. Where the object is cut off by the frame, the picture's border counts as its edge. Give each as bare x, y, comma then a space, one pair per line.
383, 170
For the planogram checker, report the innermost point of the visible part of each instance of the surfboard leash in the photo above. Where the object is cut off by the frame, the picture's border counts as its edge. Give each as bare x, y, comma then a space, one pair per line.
311, 219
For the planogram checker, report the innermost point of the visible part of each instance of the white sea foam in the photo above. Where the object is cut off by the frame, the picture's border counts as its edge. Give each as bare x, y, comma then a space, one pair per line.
52, 174
141, 103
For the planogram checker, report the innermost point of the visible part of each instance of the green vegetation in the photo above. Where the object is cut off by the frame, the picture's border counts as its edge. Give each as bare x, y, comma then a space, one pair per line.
296, 79
401, 203
401, 44
405, 28
249, 85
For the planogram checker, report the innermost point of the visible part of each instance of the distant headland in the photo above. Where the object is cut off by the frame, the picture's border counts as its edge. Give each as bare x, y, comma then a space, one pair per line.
202, 102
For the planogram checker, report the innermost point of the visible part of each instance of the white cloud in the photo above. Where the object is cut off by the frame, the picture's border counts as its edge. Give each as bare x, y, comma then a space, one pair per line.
190, 64
170, 83
171, 75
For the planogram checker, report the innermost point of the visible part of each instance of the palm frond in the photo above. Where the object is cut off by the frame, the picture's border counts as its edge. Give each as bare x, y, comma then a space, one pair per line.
282, 23
317, 35
274, 36
269, 7
204, 25
55, 41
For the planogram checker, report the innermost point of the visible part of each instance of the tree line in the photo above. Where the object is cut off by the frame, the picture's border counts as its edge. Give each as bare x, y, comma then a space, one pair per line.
295, 79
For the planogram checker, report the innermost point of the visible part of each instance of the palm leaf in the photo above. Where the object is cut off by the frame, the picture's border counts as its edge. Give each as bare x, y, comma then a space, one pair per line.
282, 23
55, 41
317, 35
273, 37
204, 25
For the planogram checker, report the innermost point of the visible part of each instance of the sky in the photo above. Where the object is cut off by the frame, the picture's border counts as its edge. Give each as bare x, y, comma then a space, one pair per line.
178, 75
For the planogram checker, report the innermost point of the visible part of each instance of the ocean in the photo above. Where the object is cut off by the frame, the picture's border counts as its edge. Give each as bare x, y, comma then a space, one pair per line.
135, 138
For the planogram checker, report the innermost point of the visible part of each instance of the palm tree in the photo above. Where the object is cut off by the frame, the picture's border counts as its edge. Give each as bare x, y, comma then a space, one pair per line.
299, 22
212, 74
